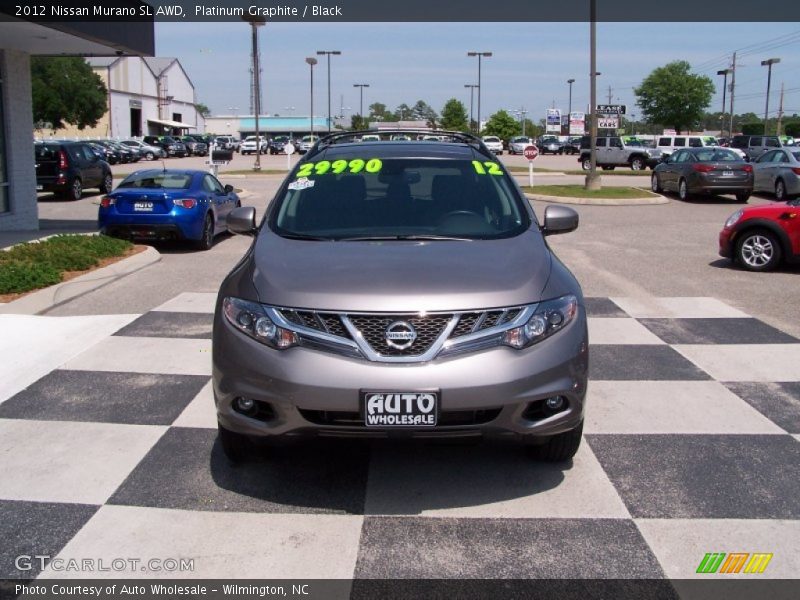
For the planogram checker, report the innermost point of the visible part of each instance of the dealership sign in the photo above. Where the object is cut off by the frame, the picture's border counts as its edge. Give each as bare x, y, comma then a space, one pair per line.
577, 123
608, 122
553, 120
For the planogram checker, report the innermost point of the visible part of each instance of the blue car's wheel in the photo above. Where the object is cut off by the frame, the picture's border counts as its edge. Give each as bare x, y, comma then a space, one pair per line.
207, 240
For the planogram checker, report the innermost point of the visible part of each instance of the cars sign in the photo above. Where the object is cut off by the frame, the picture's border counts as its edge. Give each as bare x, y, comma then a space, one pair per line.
530, 152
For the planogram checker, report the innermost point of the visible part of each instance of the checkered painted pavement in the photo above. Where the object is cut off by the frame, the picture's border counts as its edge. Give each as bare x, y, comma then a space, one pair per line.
692, 445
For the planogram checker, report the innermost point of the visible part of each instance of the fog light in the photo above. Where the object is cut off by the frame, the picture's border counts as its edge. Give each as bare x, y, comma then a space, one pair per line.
245, 404
555, 403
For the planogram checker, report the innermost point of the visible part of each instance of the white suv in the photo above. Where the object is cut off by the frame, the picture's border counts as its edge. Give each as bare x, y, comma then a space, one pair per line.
251, 145
493, 143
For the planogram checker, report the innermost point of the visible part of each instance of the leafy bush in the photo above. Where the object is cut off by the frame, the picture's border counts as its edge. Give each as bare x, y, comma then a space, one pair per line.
34, 265
752, 128
18, 276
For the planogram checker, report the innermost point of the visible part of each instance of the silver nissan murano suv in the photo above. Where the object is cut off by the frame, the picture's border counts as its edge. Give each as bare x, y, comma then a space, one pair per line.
401, 288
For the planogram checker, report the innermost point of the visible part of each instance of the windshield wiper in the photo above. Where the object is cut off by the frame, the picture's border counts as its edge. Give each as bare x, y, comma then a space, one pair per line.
300, 236
403, 238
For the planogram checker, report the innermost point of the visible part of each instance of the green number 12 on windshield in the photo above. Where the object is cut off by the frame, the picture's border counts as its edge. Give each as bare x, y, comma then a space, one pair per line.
486, 168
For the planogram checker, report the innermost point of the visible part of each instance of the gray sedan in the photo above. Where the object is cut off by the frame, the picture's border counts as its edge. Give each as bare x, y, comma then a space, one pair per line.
778, 172
709, 170
516, 145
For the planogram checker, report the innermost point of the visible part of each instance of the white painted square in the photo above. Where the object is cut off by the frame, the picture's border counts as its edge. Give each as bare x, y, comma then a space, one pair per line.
746, 362
683, 407
677, 308
680, 544
32, 346
223, 545
190, 302
620, 331
488, 482
200, 412
171, 356
52, 461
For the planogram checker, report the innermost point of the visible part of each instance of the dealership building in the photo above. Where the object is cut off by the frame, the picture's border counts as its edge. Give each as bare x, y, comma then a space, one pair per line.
19, 40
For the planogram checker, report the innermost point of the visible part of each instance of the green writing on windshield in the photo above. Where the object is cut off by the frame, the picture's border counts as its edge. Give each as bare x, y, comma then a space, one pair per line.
323, 167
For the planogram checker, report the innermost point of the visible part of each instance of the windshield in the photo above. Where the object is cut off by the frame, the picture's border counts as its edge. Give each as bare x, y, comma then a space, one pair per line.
717, 155
399, 199
173, 181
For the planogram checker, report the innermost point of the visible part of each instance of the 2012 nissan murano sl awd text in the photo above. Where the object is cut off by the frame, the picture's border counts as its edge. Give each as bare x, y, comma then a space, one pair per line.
401, 288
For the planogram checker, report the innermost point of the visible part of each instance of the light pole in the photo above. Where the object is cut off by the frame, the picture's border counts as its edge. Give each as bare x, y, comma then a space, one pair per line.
569, 109
255, 23
480, 55
724, 72
328, 53
361, 87
471, 87
768, 63
592, 179
521, 112
311, 62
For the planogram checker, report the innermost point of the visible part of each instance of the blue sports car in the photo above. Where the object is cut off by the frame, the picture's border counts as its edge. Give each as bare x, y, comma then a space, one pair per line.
168, 204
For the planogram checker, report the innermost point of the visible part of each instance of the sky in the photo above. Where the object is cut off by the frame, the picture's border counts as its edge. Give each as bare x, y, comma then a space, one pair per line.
531, 62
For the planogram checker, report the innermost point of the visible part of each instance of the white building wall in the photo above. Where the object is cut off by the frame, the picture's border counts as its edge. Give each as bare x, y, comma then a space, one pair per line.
183, 98
18, 117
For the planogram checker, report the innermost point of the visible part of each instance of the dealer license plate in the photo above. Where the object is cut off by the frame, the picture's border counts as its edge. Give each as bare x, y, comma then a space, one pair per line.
400, 409
143, 206
728, 173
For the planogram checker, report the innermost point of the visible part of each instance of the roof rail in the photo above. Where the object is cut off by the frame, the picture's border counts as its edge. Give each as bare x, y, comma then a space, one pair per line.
344, 137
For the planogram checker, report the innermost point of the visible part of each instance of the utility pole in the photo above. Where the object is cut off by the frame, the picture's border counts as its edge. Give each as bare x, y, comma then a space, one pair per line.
780, 112
592, 179
609, 94
724, 72
733, 88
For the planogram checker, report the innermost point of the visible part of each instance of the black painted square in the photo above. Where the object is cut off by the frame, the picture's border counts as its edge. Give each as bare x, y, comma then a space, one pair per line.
611, 362
717, 331
779, 402
170, 325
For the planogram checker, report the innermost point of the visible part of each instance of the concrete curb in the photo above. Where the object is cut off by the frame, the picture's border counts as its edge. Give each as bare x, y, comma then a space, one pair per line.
646, 201
47, 298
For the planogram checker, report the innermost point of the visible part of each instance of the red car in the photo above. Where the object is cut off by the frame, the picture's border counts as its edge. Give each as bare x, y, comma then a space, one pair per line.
760, 237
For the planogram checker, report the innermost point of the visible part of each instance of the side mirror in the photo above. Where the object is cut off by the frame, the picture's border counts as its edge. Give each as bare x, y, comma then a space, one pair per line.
228, 189
242, 220
559, 219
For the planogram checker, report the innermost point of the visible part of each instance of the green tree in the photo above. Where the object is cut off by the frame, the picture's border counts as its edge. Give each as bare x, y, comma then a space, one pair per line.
358, 123
454, 116
403, 113
503, 125
378, 112
673, 96
203, 109
66, 90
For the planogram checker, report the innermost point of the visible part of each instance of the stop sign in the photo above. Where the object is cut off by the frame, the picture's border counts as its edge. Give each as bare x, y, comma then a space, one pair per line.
530, 152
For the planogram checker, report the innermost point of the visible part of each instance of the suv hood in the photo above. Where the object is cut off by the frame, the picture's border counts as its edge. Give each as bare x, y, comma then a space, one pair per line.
400, 276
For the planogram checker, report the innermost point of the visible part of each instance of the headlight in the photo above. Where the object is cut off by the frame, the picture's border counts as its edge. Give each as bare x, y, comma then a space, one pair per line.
548, 318
251, 319
734, 218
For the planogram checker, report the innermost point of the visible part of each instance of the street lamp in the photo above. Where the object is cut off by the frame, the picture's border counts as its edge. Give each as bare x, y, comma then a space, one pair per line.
311, 62
471, 87
768, 63
328, 54
361, 93
724, 72
255, 23
569, 109
480, 55
521, 113
592, 179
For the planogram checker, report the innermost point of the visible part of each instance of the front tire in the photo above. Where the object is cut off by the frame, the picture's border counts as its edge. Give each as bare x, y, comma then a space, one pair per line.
780, 191
758, 250
561, 447
207, 241
655, 184
586, 164
637, 164
683, 190
150, 156
235, 446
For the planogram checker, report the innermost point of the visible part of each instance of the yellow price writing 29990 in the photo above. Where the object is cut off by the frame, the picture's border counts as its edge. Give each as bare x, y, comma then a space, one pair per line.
356, 165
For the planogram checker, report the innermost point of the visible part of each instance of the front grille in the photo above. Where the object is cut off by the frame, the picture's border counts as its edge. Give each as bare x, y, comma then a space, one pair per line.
448, 418
325, 322
373, 329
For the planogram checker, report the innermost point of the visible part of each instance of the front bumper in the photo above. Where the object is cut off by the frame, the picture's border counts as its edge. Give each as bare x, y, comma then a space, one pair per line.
726, 243
310, 392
